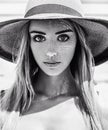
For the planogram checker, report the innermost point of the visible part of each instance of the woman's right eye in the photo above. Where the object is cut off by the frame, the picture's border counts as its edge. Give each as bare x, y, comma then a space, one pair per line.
39, 38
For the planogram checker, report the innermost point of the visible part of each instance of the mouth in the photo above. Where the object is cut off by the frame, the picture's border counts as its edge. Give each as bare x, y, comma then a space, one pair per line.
52, 64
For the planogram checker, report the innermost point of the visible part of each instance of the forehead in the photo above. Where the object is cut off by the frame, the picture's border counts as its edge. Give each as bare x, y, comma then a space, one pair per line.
50, 24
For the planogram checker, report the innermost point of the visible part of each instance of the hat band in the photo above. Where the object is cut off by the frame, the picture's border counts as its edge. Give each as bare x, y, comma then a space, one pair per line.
52, 8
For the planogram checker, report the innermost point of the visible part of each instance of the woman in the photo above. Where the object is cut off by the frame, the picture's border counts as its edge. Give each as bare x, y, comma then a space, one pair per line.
54, 80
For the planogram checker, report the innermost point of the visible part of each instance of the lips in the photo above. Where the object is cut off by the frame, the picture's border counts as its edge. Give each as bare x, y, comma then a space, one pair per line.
51, 64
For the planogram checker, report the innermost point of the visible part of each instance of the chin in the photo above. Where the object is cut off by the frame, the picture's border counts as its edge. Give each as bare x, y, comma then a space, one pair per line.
53, 73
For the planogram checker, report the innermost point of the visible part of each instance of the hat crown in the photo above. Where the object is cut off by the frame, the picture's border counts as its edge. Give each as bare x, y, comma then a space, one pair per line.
75, 5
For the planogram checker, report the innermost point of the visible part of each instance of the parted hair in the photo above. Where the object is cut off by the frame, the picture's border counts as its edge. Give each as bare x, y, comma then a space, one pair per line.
19, 96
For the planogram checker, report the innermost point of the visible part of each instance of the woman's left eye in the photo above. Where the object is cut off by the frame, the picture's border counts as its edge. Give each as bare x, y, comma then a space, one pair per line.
63, 38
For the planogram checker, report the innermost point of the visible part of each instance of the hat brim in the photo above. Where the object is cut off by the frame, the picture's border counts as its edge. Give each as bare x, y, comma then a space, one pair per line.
96, 31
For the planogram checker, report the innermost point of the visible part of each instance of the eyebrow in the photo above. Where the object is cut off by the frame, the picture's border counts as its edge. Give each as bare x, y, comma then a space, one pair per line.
63, 31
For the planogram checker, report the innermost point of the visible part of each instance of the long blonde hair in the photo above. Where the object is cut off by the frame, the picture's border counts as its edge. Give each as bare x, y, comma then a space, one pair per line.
20, 95
83, 66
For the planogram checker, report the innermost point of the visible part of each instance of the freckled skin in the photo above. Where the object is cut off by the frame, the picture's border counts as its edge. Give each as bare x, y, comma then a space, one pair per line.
64, 50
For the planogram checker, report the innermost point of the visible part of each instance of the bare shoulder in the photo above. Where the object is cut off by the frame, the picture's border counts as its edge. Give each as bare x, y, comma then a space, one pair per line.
104, 117
103, 108
3, 117
103, 113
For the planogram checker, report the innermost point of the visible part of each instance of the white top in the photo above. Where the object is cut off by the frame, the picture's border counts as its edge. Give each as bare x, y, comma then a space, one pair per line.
64, 116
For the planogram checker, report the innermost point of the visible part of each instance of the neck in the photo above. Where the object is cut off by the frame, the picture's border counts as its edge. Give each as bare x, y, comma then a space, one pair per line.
55, 85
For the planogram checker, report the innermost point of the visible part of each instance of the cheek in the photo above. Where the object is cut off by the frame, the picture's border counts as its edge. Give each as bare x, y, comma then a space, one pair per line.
37, 52
67, 52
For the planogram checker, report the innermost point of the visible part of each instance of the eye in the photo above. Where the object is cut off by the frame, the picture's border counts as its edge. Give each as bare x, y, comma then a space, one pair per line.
39, 38
63, 38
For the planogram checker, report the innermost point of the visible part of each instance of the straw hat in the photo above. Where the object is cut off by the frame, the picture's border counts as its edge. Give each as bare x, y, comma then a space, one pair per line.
96, 30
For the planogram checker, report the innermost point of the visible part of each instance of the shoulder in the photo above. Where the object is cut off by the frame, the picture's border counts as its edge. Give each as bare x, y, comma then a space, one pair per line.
3, 117
102, 108
104, 118
103, 113
8, 119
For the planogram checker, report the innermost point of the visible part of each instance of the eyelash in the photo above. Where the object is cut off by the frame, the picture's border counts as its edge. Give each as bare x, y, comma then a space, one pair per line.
63, 37
34, 38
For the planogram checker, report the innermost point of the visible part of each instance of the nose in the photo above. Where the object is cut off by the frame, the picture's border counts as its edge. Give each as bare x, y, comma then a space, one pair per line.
51, 54
52, 48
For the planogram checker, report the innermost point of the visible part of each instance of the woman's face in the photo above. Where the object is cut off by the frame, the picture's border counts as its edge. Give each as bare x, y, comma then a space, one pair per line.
53, 45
